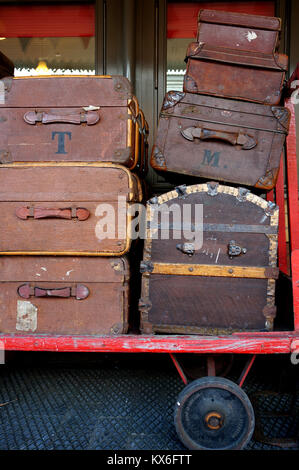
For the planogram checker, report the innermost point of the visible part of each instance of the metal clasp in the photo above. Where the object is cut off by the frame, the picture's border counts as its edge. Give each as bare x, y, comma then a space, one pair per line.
235, 250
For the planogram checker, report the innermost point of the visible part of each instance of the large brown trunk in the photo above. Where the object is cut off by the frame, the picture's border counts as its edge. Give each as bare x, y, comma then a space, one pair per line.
225, 285
57, 208
69, 119
220, 139
63, 296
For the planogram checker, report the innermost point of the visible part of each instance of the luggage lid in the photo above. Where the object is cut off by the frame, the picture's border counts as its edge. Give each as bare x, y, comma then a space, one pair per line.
65, 270
66, 91
240, 19
203, 51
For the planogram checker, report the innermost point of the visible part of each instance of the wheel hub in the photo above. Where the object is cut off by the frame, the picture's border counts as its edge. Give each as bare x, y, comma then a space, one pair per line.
214, 420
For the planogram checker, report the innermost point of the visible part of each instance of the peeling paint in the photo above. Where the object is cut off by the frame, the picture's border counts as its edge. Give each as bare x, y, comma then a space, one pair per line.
69, 272
44, 269
251, 36
26, 316
218, 254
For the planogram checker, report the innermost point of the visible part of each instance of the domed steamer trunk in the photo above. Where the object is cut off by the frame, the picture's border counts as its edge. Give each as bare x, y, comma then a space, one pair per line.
225, 285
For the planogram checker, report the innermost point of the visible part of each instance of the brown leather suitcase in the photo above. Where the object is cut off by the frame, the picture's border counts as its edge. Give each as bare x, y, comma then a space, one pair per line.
221, 139
86, 118
64, 295
225, 285
239, 31
228, 73
7, 67
235, 57
66, 209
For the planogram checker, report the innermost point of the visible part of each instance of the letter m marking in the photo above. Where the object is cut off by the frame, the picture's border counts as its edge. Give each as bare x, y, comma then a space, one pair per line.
211, 159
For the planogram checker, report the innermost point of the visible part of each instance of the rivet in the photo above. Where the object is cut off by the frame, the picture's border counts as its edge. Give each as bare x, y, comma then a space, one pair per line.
230, 271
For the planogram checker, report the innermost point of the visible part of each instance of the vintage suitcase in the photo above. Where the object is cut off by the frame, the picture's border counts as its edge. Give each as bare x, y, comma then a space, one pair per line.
220, 139
7, 67
224, 285
64, 295
228, 73
239, 31
69, 119
67, 209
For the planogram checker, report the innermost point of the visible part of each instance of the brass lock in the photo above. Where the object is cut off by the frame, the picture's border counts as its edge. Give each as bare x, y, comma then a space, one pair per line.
235, 250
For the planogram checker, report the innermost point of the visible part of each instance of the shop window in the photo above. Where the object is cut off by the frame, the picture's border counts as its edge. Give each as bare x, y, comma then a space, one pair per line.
49, 39
182, 27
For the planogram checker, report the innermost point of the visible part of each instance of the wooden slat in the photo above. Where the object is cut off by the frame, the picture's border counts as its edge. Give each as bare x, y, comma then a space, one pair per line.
265, 343
210, 271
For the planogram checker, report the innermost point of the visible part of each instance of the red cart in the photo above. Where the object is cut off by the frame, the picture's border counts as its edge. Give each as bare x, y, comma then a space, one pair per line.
211, 412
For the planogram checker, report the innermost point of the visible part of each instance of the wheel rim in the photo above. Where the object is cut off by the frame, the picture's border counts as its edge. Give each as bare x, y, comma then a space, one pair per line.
214, 414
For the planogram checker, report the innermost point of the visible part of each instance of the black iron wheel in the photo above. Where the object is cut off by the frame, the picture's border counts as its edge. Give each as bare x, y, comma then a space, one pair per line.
214, 413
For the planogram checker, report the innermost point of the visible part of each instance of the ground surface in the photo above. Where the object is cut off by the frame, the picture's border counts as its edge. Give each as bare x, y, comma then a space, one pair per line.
122, 402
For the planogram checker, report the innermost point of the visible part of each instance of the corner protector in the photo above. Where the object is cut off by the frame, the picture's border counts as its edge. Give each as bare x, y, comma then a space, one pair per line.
119, 328
122, 85
158, 161
172, 98
190, 84
283, 116
268, 181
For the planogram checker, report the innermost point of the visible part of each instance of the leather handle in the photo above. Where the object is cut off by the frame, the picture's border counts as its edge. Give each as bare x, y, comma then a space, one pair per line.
26, 212
134, 107
79, 292
87, 117
247, 141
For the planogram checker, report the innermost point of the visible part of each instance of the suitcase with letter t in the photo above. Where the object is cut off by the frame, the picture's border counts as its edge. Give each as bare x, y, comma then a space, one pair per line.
88, 118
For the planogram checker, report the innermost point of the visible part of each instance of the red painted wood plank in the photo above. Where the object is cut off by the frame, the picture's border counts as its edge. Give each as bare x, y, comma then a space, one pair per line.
295, 280
292, 179
238, 344
280, 201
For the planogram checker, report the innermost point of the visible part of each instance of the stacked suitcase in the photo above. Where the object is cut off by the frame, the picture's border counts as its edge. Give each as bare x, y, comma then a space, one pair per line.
72, 154
227, 129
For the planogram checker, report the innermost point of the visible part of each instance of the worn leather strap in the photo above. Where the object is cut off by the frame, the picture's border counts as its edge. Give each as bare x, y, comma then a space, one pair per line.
234, 138
26, 212
87, 117
79, 292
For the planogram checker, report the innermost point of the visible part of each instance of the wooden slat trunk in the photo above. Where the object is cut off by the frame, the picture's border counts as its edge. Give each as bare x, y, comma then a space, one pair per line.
221, 139
38, 295
87, 119
30, 194
223, 286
